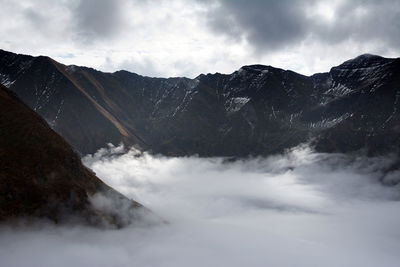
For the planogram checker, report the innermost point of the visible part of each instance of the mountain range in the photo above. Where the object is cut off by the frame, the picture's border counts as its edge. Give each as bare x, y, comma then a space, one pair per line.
256, 110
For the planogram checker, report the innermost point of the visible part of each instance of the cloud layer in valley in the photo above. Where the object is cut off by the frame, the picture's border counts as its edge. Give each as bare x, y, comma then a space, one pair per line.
186, 38
297, 209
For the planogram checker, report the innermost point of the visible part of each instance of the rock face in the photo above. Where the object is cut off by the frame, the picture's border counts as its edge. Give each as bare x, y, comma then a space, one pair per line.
364, 99
41, 176
257, 110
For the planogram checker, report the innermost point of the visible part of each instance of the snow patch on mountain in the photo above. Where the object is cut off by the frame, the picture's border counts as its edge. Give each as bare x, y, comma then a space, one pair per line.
70, 69
235, 104
338, 90
6, 81
185, 102
329, 122
395, 109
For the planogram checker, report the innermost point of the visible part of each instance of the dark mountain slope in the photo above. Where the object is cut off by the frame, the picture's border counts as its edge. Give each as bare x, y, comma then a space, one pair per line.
363, 100
256, 110
48, 88
41, 176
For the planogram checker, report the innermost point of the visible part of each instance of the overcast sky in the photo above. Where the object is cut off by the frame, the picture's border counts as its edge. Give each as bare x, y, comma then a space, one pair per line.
189, 37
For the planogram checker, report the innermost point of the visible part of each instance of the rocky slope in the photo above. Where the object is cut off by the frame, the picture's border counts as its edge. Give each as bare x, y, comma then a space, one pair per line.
41, 176
257, 110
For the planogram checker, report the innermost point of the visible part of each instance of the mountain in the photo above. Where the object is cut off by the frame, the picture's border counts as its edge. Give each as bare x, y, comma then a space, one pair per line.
41, 175
257, 110
363, 97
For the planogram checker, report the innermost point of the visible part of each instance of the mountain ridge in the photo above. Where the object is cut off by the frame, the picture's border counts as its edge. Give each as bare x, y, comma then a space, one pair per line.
256, 110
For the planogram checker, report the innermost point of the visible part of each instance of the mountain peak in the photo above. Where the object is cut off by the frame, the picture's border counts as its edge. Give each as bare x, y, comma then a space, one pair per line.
368, 56
364, 61
256, 67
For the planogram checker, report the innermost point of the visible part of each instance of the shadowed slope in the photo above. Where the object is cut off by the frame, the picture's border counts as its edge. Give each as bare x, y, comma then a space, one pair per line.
73, 109
40, 174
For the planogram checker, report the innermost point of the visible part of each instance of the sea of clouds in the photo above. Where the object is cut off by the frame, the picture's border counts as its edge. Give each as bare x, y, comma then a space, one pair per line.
297, 209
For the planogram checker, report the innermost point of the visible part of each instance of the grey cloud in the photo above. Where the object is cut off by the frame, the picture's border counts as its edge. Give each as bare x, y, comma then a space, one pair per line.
83, 21
364, 21
34, 17
272, 25
97, 19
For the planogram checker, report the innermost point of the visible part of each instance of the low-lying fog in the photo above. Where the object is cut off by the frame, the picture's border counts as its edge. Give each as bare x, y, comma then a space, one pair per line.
300, 209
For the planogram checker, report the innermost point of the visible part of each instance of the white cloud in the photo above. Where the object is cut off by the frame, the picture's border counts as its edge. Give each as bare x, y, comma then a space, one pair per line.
297, 209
